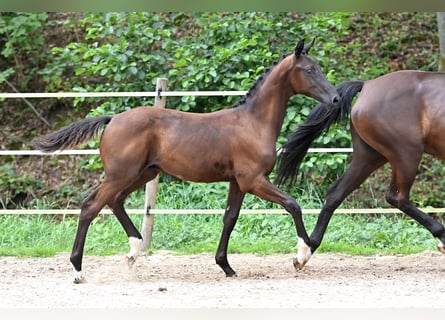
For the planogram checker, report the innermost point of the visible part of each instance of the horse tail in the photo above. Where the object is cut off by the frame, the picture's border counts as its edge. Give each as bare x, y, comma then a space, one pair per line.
318, 120
71, 135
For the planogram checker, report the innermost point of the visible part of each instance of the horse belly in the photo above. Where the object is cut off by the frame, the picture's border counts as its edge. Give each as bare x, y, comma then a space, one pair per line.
198, 175
198, 169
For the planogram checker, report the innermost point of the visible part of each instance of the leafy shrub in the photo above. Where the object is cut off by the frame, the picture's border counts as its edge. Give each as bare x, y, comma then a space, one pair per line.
14, 188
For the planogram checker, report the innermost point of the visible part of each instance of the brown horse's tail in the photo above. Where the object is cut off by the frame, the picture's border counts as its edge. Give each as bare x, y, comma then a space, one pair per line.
72, 135
318, 120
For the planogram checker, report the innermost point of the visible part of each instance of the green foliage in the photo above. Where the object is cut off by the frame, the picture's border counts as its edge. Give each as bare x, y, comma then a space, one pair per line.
381, 233
428, 190
15, 188
195, 51
35, 235
20, 34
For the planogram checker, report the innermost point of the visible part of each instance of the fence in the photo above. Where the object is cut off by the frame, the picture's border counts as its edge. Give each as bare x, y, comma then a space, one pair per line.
149, 210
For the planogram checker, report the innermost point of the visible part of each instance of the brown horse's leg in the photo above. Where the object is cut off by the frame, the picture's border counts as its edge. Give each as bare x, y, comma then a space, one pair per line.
134, 237
91, 207
404, 171
234, 201
113, 194
365, 160
264, 189
117, 206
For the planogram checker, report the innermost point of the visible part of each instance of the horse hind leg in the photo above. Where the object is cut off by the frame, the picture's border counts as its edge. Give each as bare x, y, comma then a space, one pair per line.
134, 237
117, 206
91, 207
403, 175
110, 193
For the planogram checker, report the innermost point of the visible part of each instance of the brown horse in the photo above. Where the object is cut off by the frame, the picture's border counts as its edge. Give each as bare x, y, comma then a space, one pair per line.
235, 145
396, 118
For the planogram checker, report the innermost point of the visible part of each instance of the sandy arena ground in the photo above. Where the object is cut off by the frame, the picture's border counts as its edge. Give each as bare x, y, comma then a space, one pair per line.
166, 280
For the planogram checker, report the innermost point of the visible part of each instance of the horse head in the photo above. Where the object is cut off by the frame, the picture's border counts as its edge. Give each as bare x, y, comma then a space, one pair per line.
308, 79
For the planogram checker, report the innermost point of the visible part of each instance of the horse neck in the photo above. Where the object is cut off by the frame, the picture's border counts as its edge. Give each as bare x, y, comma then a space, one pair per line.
268, 104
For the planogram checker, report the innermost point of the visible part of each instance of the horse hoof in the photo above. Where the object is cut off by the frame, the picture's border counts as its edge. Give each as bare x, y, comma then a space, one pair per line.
130, 261
441, 247
304, 253
78, 277
297, 264
230, 273
79, 280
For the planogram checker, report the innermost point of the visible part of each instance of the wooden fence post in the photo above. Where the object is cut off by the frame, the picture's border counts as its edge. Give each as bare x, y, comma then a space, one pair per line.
151, 187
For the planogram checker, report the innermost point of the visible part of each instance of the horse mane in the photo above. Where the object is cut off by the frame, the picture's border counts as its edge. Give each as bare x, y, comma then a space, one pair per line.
319, 119
257, 83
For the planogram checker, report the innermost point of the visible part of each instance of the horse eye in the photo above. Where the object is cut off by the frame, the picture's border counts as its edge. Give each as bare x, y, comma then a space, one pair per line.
309, 71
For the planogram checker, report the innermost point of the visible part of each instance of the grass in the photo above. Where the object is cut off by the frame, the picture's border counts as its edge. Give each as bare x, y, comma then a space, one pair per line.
185, 234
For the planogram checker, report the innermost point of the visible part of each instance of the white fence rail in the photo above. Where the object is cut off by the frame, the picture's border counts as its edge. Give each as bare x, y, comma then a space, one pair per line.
209, 211
119, 94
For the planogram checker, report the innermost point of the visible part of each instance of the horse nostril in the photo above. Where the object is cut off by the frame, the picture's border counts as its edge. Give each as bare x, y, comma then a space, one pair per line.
336, 100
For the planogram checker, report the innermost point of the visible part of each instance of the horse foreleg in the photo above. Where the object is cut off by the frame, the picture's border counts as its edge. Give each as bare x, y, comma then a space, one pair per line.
264, 189
365, 160
234, 201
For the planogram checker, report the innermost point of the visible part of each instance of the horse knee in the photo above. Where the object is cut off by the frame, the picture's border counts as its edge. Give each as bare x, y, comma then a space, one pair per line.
230, 216
229, 219
292, 206
438, 231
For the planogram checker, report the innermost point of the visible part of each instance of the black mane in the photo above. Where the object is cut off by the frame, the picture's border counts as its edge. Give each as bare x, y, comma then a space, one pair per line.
257, 83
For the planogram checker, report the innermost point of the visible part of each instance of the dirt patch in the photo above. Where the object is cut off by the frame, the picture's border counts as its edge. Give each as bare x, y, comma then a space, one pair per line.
165, 280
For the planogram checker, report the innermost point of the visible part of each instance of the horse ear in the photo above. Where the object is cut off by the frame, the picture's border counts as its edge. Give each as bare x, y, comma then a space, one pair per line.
308, 47
299, 48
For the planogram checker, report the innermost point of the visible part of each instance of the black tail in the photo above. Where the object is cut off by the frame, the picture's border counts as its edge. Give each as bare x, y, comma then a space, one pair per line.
72, 135
318, 120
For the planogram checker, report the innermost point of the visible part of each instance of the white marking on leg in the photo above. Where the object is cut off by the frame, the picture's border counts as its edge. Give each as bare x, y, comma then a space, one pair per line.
303, 253
135, 247
441, 247
78, 277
